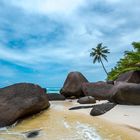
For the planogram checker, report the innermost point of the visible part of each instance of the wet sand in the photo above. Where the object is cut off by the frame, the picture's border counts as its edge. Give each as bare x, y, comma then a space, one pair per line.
59, 123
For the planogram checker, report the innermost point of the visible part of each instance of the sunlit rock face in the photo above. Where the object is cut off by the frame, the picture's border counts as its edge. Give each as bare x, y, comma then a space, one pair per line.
73, 85
21, 100
86, 100
130, 77
99, 90
126, 93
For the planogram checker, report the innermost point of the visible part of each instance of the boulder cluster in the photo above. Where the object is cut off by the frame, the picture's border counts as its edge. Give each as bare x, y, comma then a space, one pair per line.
20, 100
125, 90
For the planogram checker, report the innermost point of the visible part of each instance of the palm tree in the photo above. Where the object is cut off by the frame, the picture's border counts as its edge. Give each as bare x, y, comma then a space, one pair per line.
99, 53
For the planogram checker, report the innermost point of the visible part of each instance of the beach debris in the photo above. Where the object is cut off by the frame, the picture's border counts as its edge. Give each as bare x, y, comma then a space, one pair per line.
100, 109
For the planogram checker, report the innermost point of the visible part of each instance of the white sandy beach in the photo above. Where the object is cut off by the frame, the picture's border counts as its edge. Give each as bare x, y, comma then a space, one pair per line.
126, 117
120, 114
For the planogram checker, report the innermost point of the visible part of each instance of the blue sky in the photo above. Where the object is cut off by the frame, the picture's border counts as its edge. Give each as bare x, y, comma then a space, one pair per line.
41, 41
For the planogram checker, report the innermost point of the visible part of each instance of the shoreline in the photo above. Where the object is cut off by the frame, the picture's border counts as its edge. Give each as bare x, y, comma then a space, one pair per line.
125, 118
129, 114
58, 122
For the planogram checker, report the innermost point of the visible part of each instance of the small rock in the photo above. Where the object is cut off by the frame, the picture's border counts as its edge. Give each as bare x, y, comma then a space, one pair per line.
87, 100
32, 134
101, 108
80, 107
55, 97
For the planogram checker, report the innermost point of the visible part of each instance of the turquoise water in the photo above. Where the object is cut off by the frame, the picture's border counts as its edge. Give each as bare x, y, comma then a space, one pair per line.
53, 89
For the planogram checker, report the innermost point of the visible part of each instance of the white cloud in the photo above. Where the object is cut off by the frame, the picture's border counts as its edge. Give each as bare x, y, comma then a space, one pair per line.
82, 25
49, 6
113, 1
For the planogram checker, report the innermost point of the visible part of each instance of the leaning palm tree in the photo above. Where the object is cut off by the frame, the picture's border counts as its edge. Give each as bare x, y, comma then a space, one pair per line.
99, 53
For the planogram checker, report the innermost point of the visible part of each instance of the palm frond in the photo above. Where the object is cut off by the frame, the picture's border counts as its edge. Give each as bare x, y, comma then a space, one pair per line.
98, 53
95, 59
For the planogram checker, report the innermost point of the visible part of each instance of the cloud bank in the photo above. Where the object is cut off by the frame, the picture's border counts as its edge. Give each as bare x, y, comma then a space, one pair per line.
42, 40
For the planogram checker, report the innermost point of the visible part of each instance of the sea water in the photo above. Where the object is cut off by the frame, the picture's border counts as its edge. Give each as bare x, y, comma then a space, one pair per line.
53, 89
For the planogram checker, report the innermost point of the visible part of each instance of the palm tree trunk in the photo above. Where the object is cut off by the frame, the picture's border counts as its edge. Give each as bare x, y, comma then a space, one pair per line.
103, 67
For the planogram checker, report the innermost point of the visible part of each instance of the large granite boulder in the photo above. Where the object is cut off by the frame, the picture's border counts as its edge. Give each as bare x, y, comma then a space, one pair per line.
130, 77
86, 100
72, 85
55, 97
99, 90
100, 109
126, 93
21, 100
45, 90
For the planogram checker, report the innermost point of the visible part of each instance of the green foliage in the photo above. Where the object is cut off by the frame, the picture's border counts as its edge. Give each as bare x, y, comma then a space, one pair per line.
99, 53
130, 61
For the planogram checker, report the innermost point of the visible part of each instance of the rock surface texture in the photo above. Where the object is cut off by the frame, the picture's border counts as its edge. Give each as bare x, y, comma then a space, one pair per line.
130, 77
126, 93
55, 97
73, 84
87, 100
98, 90
100, 109
21, 100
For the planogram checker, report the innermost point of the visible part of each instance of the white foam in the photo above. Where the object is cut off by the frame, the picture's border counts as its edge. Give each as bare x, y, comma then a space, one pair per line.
66, 124
3, 128
12, 133
58, 107
13, 125
87, 132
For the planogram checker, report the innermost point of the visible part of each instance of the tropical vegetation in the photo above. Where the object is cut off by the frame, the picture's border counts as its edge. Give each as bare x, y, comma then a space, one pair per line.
130, 61
98, 54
